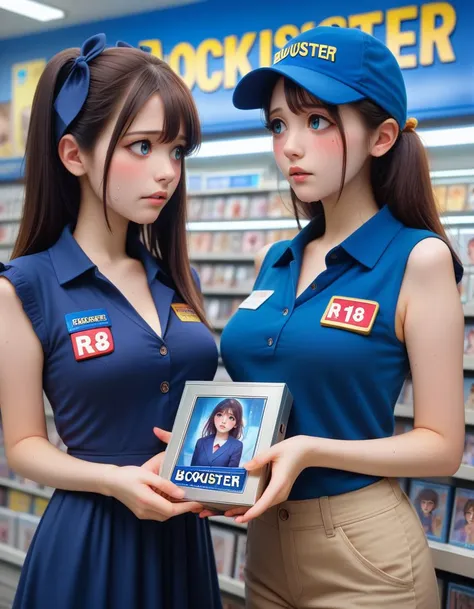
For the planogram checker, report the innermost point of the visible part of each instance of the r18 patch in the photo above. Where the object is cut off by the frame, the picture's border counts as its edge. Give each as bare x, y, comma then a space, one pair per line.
92, 343
354, 314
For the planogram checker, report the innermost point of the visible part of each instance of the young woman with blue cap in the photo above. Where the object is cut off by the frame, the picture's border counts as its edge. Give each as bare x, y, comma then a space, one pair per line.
364, 294
100, 309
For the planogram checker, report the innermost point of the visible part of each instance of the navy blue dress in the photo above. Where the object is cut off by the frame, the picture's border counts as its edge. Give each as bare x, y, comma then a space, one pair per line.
110, 378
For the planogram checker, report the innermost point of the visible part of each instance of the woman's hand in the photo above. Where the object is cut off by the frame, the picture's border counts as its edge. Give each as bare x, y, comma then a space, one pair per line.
287, 460
146, 494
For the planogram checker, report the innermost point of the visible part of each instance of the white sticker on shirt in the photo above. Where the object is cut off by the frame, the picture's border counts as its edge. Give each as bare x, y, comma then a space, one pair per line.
256, 299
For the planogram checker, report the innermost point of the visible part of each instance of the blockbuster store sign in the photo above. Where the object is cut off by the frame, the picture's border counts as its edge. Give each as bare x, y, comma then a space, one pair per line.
212, 44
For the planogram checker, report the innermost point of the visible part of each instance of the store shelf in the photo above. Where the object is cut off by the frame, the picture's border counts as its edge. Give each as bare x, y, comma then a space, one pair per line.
469, 362
219, 324
225, 291
238, 225
232, 586
24, 488
223, 257
469, 309
227, 521
11, 555
465, 472
452, 559
407, 412
244, 190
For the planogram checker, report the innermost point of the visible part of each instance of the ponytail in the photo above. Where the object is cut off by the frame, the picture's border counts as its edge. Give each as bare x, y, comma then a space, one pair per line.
51, 193
401, 179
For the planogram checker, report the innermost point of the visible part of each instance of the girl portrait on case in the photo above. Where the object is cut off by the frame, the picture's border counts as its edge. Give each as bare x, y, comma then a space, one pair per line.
220, 444
426, 503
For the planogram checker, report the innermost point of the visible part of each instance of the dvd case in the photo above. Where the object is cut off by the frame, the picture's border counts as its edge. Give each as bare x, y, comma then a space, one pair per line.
218, 428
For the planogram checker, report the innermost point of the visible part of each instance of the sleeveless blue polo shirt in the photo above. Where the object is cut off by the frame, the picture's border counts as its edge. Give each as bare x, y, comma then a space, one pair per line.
344, 384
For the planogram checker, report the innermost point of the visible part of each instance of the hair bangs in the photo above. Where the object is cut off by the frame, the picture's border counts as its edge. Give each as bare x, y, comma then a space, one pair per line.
300, 100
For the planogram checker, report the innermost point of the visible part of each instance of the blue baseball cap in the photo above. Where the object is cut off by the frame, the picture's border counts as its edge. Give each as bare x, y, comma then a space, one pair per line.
336, 65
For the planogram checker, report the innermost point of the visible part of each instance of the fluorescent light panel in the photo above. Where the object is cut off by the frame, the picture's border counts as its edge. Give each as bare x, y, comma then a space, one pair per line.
32, 9
432, 138
244, 225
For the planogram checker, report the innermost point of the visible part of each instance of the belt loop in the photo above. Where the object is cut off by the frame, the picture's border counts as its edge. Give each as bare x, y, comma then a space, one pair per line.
326, 516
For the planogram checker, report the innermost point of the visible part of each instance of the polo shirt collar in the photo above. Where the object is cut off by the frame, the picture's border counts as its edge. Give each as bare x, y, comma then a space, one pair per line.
365, 245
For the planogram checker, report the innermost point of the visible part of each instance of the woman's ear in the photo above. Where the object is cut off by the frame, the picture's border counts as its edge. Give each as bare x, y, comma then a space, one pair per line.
384, 137
71, 155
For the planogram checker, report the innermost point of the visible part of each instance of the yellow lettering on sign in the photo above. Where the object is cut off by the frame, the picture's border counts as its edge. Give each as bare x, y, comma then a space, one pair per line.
208, 83
340, 21
266, 48
307, 26
236, 60
284, 34
183, 53
155, 46
221, 63
439, 37
398, 38
366, 21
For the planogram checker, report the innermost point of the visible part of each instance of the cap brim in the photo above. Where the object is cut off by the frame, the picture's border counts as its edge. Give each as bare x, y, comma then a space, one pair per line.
253, 89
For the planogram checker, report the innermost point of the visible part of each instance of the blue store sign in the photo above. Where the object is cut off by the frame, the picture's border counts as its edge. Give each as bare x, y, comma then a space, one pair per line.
212, 47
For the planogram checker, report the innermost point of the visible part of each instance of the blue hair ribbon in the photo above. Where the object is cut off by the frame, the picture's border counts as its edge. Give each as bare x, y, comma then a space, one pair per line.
73, 94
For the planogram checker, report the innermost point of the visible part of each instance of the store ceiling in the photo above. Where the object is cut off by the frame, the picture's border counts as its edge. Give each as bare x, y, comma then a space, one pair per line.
80, 11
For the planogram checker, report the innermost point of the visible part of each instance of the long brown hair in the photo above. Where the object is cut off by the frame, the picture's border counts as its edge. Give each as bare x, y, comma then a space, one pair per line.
400, 178
228, 406
52, 194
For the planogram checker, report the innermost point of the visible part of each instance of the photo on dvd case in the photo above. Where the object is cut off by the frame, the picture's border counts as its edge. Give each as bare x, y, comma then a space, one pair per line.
468, 455
432, 503
460, 597
462, 521
221, 436
469, 393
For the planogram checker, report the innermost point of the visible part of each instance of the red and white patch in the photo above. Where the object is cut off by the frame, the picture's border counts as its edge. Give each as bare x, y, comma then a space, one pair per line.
352, 314
92, 343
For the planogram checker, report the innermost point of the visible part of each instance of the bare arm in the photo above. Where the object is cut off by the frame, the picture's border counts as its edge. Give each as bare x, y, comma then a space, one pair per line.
433, 330
27, 447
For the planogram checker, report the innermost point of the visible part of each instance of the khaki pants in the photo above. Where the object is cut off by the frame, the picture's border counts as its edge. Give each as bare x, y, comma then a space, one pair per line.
359, 550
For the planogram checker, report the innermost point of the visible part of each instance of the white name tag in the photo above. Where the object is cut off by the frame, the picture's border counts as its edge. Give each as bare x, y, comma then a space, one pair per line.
256, 299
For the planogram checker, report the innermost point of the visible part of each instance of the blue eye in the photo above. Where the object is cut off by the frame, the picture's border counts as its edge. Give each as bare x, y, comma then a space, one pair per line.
318, 123
178, 153
141, 148
277, 126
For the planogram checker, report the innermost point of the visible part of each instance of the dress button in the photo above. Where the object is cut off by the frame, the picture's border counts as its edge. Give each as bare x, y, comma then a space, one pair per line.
283, 514
164, 387
270, 342
313, 286
285, 311
163, 350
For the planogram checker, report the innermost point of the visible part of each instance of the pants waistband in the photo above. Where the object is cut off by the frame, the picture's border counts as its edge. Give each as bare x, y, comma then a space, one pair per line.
338, 510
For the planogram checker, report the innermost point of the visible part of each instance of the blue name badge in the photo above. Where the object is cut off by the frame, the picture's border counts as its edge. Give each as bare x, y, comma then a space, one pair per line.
87, 320
231, 479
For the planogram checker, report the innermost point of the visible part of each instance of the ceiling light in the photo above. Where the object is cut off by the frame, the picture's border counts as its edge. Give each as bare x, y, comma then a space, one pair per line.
32, 9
